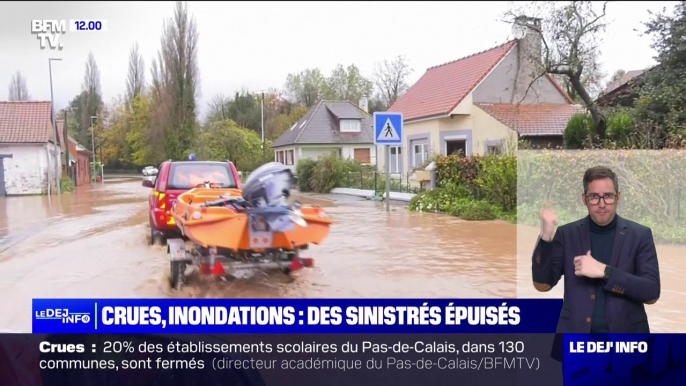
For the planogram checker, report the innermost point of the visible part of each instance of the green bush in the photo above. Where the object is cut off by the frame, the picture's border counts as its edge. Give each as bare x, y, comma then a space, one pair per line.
331, 171
620, 124
473, 188
327, 173
455, 200
497, 181
474, 210
67, 185
579, 130
455, 169
304, 173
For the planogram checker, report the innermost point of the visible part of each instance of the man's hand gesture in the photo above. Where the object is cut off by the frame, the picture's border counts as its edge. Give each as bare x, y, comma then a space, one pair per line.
548, 221
586, 265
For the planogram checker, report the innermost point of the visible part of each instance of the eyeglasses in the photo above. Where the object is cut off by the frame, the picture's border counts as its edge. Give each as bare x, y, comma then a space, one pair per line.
594, 199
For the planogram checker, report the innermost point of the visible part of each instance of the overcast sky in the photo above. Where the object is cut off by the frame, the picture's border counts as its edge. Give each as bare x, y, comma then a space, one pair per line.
256, 44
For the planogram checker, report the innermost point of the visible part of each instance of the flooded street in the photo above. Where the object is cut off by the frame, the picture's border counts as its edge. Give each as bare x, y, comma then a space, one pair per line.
93, 243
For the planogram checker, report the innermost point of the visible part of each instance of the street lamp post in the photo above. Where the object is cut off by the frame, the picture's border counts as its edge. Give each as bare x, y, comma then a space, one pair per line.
54, 126
264, 145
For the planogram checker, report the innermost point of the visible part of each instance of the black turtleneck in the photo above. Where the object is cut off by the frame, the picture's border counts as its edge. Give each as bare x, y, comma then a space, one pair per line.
602, 238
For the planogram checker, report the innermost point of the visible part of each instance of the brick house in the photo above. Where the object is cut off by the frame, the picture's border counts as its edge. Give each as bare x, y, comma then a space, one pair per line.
78, 169
27, 148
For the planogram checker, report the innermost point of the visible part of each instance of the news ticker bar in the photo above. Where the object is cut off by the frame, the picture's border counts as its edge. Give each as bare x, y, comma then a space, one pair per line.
295, 315
365, 359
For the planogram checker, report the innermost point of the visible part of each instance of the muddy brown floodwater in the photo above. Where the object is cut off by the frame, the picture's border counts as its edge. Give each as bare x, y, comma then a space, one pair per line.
93, 243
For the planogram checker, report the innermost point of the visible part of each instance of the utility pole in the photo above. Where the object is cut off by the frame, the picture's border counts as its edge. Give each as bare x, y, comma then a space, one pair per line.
93, 144
54, 126
66, 139
264, 147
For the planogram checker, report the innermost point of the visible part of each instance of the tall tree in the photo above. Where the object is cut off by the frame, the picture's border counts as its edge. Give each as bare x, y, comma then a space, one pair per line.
136, 78
305, 88
176, 83
570, 35
347, 83
592, 80
390, 78
91, 80
90, 100
662, 91
18, 89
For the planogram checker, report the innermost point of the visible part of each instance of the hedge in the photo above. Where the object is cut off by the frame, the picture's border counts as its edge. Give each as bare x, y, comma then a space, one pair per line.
652, 185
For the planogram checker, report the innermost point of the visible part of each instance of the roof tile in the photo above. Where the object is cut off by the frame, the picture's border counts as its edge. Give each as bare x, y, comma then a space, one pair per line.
25, 122
443, 87
534, 119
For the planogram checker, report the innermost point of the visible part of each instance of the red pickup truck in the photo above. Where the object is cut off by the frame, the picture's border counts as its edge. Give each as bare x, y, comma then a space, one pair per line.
175, 178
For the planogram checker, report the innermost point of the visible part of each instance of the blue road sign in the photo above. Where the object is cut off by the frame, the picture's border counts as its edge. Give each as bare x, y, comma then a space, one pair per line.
388, 128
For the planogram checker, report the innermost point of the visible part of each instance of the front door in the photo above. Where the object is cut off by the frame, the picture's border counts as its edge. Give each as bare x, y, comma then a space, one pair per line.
3, 189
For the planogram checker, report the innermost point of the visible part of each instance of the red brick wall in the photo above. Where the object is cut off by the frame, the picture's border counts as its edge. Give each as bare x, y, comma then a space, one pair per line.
83, 169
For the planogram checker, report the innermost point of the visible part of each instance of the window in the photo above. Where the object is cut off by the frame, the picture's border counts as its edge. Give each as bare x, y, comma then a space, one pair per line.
189, 175
396, 159
350, 126
493, 149
363, 155
421, 154
289, 157
458, 146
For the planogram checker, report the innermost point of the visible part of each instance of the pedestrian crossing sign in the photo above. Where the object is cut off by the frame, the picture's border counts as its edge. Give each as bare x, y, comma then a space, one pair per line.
388, 128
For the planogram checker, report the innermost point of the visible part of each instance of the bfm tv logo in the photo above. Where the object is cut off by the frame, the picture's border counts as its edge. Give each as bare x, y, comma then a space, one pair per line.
64, 315
48, 31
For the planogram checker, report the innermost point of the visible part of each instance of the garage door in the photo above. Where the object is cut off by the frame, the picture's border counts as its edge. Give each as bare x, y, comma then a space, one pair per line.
363, 156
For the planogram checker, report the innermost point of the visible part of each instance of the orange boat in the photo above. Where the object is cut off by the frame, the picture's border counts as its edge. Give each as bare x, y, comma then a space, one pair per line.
208, 218
252, 228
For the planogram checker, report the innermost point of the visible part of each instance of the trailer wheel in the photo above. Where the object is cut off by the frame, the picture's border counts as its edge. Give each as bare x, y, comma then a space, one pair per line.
178, 269
152, 232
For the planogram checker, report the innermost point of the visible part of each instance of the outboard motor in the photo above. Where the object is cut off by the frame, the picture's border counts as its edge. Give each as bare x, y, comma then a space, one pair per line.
269, 185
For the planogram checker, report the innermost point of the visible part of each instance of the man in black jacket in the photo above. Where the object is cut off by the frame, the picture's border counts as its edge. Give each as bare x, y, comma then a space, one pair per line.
609, 263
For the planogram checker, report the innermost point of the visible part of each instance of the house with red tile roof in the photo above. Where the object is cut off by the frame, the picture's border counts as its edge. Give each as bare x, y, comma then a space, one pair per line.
27, 148
480, 103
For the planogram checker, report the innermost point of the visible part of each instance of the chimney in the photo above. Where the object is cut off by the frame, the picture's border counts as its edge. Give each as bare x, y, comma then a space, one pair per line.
530, 56
364, 104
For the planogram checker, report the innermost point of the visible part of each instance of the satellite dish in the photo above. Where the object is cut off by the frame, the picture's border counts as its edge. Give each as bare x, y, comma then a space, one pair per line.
518, 30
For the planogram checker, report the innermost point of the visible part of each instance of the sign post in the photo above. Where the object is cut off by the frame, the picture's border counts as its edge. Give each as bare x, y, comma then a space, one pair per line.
388, 130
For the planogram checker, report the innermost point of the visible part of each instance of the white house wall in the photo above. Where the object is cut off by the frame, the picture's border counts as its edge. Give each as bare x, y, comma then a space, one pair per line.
500, 86
316, 152
27, 171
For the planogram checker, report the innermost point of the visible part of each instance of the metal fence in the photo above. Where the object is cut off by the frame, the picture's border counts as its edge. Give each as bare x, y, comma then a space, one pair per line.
372, 181
377, 181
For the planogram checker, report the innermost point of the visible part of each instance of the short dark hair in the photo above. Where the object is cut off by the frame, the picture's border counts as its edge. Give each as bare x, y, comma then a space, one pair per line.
599, 173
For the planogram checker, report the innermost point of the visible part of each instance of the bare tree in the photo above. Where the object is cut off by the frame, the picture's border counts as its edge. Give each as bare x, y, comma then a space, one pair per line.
390, 78
136, 78
91, 82
18, 89
570, 37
